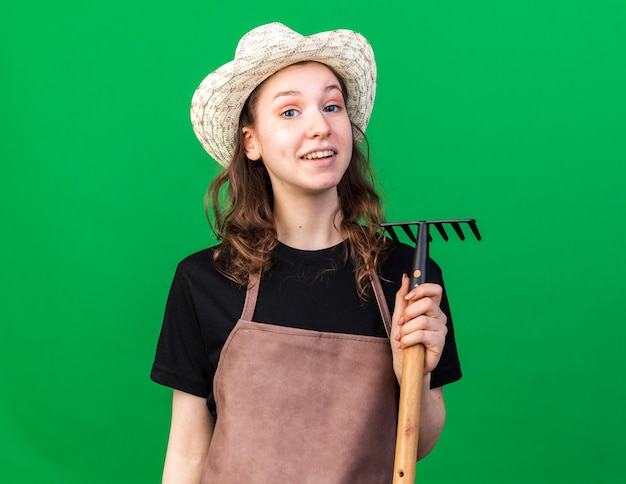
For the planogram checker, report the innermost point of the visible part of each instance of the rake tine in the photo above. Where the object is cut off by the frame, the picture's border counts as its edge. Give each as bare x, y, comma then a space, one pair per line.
408, 232
391, 231
442, 231
459, 231
474, 227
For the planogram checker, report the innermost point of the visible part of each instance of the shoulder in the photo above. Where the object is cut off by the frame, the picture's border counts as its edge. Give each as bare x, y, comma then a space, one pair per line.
199, 263
198, 269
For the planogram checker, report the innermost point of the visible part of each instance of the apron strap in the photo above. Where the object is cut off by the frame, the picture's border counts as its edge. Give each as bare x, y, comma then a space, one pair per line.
382, 302
252, 294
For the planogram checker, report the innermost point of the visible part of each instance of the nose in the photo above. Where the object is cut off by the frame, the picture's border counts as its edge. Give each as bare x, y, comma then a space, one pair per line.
319, 126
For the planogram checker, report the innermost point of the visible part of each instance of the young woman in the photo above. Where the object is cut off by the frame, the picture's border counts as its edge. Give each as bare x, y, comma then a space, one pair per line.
278, 342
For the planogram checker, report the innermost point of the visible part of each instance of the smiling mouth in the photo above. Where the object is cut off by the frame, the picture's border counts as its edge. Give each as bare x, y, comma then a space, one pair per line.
318, 154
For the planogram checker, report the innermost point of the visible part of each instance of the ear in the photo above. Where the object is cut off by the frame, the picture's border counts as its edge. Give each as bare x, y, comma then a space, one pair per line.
250, 144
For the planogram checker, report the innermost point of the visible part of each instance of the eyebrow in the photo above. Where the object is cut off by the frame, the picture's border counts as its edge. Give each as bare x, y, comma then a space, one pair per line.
330, 87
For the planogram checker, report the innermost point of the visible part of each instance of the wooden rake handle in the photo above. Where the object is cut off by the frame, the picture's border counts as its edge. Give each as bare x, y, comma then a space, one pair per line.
409, 414
411, 383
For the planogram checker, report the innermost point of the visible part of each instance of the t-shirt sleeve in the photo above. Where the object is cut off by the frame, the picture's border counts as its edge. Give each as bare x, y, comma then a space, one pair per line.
181, 360
449, 368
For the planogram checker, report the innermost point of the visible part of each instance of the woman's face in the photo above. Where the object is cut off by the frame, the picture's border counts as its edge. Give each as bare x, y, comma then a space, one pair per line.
301, 130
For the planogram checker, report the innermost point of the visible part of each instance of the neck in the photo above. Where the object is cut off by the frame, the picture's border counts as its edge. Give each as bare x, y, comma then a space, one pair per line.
309, 223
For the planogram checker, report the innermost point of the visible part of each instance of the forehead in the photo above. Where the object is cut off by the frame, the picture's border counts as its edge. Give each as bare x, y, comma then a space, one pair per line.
301, 74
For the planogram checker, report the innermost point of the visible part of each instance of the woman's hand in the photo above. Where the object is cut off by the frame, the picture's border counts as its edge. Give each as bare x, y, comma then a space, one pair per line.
417, 318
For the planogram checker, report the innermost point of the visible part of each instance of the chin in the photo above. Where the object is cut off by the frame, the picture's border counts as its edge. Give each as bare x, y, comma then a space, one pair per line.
323, 185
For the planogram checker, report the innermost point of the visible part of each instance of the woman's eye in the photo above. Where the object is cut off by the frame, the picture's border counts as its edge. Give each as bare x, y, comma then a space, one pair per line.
333, 108
290, 113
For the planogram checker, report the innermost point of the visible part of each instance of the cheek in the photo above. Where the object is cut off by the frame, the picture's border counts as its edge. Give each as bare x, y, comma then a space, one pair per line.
349, 135
347, 132
273, 137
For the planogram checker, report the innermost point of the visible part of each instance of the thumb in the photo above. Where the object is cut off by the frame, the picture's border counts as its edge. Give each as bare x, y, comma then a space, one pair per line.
401, 303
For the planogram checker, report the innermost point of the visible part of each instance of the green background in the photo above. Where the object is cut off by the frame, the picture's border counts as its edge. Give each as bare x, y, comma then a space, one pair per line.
512, 112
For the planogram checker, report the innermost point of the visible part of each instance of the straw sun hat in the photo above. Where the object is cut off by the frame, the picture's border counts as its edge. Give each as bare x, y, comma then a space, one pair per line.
218, 101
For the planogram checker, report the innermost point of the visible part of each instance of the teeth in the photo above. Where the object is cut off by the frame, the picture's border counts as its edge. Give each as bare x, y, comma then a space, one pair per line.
318, 154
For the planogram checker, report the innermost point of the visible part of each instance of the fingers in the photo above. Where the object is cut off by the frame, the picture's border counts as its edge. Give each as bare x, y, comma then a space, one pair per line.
431, 332
418, 319
401, 301
420, 309
434, 291
421, 322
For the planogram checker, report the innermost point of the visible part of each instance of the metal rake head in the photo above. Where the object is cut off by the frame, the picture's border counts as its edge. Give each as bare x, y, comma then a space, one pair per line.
409, 227
421, 238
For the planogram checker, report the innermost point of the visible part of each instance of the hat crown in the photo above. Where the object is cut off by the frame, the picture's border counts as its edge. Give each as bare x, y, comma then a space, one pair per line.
265, 37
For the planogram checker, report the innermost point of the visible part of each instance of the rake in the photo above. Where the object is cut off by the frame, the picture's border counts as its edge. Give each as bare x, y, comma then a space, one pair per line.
413, 356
